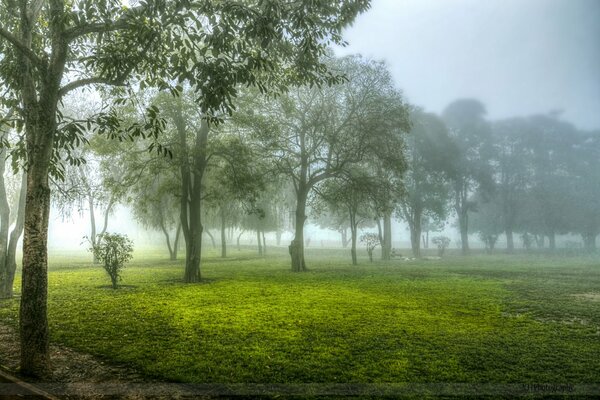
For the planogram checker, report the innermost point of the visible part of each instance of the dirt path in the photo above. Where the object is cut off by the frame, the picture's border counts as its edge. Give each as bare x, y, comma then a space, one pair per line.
82, 376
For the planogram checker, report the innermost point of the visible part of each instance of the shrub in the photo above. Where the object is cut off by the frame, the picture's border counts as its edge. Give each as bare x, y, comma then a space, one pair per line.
441, 242
371, 240
113, 250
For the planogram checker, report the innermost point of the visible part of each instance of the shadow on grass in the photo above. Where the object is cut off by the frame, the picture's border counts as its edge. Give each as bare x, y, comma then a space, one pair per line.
119, 287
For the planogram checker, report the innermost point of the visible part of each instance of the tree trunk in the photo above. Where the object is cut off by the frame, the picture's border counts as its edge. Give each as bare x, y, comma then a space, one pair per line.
264, 243
176, 242
278, 234
191, 199
415, 236
11, 254
510, 244
5, 285
260, 248
345, 240
552, 241
92, 227
386, 245
297, 246
223, 234
213, 242
464, 232
33, 321
354, 234
238, 240
164, 230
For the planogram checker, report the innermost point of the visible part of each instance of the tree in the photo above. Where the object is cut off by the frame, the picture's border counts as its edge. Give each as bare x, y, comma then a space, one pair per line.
585, 188
371, 241
314, 134
471, 170
549, 143
511, 173
353, 193
430, 154
52, 48
113, 251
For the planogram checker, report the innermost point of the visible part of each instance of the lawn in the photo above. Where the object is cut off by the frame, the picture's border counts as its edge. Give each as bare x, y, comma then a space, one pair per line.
482, 320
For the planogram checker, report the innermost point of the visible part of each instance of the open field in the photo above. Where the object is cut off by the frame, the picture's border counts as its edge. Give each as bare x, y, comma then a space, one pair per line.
483, 319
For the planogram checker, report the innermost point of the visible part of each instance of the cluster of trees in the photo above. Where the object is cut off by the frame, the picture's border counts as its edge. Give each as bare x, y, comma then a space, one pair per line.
534, 176
49, 49
236, 115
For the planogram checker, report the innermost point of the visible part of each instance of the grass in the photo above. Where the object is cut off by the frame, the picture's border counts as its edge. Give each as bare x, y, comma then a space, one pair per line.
482, 319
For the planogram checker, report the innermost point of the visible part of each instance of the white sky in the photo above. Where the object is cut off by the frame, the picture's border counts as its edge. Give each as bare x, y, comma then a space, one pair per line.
517, 56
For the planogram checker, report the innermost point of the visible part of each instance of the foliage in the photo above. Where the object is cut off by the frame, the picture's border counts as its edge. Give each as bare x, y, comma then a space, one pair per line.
113, 250
371, 241
442, 242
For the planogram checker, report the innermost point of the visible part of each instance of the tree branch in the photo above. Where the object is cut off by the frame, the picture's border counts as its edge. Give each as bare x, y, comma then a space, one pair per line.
39, 62
87, 81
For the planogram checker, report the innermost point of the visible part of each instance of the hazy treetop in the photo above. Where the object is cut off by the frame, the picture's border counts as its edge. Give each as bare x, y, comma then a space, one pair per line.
517, 56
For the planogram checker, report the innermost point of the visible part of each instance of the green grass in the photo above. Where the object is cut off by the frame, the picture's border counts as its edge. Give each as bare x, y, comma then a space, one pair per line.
482, 319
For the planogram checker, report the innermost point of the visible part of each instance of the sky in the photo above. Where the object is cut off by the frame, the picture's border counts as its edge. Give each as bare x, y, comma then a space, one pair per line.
518, 57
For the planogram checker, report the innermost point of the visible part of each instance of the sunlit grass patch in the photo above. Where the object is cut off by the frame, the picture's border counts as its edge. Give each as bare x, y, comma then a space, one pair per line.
479, 319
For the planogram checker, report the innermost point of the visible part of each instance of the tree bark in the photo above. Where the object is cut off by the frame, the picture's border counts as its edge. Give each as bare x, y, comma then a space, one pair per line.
264, 241
297, 245
33, 321
415, 235
353, 234
192, 173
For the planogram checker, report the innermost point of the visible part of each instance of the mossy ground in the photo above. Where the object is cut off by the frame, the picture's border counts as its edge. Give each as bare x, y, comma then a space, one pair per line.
481, 319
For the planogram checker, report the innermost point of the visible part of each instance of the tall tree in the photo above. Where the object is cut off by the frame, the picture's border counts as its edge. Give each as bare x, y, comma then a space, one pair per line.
430, 154
52, 48
314, 134
471, 171
511, 173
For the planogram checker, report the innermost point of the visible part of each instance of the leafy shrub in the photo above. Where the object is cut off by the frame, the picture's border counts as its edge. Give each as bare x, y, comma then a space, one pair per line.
371, 240
113, 250
441, 242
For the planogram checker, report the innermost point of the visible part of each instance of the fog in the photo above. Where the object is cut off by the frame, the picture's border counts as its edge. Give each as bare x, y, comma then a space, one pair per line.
518, 57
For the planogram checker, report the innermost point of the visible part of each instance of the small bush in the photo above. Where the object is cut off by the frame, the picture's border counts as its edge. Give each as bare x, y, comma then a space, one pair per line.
371, 240
441, 242
113, 250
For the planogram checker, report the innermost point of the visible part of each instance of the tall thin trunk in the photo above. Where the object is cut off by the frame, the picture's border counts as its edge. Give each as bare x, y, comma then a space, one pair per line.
278, 235
176, 242
4, 224
238, 240
510, 244
163, 228
259, 242
213, 242
353, 239
386, 245
345, 240
15, 235
415, 233
552, 241
264, 243
223, 234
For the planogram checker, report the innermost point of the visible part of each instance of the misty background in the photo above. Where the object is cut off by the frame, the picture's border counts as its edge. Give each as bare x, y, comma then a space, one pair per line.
518, 57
